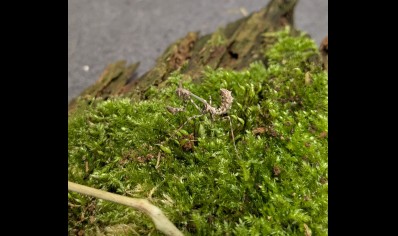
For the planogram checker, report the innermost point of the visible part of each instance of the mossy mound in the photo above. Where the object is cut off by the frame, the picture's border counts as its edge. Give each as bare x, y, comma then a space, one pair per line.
274, 182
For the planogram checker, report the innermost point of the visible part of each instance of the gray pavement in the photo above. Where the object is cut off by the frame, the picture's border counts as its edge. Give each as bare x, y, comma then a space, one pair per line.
103, 31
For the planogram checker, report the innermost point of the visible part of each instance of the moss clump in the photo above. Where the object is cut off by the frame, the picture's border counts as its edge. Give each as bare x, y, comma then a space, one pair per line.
275, 182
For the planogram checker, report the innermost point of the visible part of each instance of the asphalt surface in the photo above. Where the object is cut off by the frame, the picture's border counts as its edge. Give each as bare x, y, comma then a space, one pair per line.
104, 31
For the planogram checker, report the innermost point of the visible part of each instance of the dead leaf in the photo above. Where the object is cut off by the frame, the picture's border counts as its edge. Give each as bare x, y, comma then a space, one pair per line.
259, 130
323, 134
277, 170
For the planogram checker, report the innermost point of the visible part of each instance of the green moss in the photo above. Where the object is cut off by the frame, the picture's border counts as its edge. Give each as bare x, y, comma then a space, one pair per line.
274, 184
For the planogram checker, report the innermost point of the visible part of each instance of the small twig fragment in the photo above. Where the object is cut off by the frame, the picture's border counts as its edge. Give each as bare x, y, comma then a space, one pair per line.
158, 161
152, 192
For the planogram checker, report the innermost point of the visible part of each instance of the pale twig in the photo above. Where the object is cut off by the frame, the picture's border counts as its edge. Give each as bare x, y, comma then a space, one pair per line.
197, 97
196, 106
161, 222
158, 161
73, 205
152, 192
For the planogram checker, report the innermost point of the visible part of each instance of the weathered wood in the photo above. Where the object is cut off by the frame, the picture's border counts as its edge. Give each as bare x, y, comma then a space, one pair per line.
235, 46
110, 83
323, 48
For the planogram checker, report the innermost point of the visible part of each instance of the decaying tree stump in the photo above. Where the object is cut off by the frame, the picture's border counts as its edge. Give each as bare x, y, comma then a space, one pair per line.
235, 47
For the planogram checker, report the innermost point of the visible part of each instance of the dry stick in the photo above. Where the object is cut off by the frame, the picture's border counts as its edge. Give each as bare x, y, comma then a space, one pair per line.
196, 106
162, 223
158, 161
